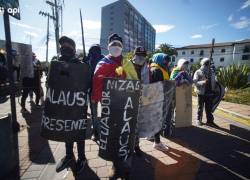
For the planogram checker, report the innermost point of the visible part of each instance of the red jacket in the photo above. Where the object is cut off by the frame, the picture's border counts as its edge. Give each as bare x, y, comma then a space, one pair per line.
105, 68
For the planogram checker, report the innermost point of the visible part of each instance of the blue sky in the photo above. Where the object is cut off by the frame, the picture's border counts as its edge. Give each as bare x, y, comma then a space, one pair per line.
177, 22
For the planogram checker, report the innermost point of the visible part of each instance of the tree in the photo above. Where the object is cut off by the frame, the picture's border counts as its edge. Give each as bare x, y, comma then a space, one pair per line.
167, 49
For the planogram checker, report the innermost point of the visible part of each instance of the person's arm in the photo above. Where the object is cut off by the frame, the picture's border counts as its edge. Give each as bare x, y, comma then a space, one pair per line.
97, 83
197, 81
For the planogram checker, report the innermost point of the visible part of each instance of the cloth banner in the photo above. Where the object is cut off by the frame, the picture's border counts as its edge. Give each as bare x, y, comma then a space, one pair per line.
65, 113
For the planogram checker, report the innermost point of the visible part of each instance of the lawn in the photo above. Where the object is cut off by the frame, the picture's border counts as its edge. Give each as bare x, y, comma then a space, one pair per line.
239, 96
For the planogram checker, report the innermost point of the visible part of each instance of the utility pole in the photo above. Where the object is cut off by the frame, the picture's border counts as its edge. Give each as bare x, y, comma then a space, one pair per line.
55, 8
47, 41
15, 124
57, 27
83, 42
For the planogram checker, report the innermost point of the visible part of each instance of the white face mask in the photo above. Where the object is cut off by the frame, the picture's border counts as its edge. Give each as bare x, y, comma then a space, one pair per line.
115, 51
140, 60
185, 67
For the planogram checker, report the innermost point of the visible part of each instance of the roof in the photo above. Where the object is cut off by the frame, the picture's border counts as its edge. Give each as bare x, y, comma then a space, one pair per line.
215, 45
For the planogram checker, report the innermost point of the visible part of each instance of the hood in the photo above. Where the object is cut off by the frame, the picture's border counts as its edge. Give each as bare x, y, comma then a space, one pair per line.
158, 58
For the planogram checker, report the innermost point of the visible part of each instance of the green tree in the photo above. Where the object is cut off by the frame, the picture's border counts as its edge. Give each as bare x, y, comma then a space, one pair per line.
167, 49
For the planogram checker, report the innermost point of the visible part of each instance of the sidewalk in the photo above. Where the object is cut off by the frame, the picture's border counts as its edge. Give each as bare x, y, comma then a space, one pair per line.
237, 112
195, 153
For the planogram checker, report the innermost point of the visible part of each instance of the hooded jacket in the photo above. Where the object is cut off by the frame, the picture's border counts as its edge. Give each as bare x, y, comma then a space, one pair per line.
158, 73
109, 66
94, 56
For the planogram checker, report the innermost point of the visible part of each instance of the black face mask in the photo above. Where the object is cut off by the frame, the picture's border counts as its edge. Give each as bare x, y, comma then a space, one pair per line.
67, 52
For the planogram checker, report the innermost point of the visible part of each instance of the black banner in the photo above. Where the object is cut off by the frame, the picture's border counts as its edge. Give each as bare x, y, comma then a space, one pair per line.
120, 103
65, 113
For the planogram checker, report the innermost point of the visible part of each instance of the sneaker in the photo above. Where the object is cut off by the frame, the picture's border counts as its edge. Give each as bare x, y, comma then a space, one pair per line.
198, 123
138, 151
160, 147
80, 164
24, 110
65, 163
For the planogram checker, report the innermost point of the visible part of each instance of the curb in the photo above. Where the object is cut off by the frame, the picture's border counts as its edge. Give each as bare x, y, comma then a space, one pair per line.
245, 118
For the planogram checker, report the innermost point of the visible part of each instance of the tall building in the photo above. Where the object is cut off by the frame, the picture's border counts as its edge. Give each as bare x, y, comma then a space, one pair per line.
122, 18
226, 53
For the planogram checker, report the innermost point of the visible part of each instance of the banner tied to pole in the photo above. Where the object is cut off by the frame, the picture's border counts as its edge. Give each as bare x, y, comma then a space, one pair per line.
65, 113
156, 110
119, 111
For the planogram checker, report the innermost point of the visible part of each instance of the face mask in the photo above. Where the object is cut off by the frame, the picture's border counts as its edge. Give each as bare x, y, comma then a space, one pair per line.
115, 51
67, 52
185, 67
139, 60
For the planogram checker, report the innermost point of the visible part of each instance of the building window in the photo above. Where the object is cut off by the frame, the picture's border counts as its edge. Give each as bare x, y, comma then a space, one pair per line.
111, 7
192, 52
111, 12
223, 50
201, 53
191, 60
222, 59
111, 29
246, 49
183, 52
246, 57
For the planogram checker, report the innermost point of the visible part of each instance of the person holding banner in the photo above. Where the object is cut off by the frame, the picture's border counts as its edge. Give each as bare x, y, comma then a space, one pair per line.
158, 69
180, 73
68, 55
94, 56
204, 97
110, 66
137, 69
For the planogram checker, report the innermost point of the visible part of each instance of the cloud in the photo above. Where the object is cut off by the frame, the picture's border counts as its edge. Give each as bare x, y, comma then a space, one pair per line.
90, 24
196, 36
230, 18
206, 27
161, 28
245, 5
244, 22
30, 33
24, 26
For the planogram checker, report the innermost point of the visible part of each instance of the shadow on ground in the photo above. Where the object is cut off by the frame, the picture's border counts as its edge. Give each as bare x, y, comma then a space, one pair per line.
39, 149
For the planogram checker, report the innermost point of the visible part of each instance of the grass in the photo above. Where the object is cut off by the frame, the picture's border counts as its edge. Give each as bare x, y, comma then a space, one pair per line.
239, 96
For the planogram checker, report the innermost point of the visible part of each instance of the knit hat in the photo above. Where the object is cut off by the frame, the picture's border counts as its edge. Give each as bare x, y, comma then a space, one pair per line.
65, 39
116, 38
140, 51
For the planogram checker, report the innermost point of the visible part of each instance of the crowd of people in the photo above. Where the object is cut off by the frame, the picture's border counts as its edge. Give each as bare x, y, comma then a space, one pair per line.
114, 65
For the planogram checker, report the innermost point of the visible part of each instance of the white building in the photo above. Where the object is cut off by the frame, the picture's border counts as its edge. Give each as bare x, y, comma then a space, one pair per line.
227, 53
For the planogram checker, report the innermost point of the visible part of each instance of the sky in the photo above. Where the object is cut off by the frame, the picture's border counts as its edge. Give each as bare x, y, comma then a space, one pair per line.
177, 22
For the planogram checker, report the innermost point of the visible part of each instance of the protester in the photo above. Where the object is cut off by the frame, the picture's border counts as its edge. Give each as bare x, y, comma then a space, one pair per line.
3, 69
94, 56
180, 73
200, 79
37, 88
158, 69
16, 65
110, 66
68, 55
28, 86
137, 68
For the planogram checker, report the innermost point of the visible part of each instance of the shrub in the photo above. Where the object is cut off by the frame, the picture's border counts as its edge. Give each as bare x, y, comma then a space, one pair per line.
234, 76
